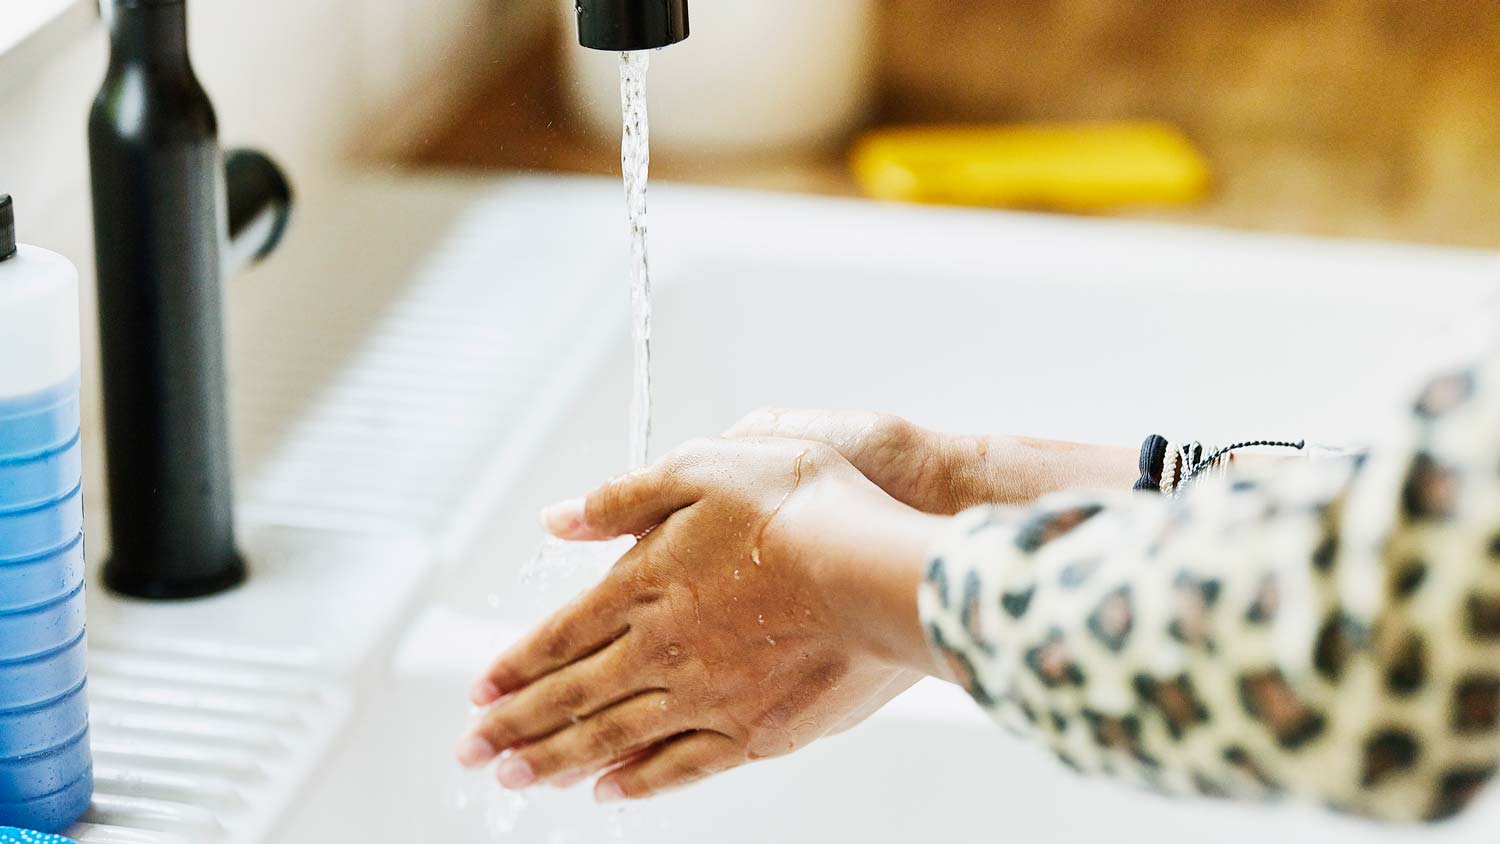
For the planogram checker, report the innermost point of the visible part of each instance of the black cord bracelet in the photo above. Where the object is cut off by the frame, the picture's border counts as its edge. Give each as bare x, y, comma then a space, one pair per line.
1153, 458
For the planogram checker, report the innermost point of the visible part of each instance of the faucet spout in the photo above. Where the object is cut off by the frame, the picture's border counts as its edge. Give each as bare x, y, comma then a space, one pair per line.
626, 25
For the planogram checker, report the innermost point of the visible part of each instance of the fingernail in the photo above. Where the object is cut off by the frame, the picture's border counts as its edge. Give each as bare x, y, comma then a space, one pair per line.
514, 773
608, 792
484, 693
474, 751
570, 780
564, 519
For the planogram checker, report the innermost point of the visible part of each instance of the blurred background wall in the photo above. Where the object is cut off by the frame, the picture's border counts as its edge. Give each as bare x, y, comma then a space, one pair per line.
1374, 118
1377, 117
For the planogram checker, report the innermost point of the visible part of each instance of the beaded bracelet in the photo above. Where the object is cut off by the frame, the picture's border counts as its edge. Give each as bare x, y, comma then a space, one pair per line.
1168, 471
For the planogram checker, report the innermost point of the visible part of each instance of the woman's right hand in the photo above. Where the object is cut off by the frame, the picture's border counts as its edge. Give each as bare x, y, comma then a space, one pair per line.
945, 474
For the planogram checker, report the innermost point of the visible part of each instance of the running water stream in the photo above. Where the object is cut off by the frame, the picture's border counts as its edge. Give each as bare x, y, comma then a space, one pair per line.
565, 561
635, 163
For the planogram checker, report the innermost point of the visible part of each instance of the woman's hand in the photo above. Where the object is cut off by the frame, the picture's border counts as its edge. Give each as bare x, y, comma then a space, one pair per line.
774, 602
945, 474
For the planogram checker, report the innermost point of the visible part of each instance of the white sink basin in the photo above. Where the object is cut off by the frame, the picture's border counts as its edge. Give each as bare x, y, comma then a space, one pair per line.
448, 409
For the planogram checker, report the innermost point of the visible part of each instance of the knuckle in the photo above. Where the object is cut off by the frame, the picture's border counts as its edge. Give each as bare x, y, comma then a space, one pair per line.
602, 505
608, 736
504, 675
892, 430
648, 597
555, 643
687, 771
501, 730
542, 760
689, 453
642, 586
672, 475
567, 696
815, 457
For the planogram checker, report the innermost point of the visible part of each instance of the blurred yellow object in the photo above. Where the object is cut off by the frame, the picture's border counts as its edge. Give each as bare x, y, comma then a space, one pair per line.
1074, 167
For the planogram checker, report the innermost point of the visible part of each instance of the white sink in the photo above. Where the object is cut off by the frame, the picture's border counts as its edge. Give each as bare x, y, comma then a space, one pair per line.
466, 390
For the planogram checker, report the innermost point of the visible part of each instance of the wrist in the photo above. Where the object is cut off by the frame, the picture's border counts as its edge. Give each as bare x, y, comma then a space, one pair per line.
899, 545
1019, 470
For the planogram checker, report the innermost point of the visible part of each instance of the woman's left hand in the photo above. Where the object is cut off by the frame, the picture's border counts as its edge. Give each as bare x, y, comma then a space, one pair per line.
770, 601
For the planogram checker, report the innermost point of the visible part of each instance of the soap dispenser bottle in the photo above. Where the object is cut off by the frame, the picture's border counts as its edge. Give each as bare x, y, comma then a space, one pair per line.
46, 770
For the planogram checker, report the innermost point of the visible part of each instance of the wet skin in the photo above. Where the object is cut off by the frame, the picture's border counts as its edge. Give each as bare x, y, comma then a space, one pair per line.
770, 601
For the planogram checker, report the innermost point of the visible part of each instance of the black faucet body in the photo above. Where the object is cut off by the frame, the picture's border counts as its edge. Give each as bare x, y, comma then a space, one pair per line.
171, 213
625, 25
162, 226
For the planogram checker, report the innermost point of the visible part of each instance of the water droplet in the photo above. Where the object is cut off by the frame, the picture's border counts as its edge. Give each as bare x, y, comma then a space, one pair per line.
769, 639
736, 574
796, 482
760, 619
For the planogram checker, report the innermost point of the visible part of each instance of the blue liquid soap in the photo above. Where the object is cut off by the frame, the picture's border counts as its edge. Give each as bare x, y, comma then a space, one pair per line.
46, 769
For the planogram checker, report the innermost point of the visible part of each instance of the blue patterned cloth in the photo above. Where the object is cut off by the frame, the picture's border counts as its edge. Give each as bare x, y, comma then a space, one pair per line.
11, 835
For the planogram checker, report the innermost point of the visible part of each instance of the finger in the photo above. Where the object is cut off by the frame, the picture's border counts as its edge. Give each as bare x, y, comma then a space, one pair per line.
570, 780
633, 503
561, 698
761, 422
799, 424
576, 777
678, 762
596, 741
587, 624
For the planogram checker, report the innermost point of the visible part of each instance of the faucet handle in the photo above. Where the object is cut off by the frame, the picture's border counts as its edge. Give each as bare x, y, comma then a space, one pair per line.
260, 206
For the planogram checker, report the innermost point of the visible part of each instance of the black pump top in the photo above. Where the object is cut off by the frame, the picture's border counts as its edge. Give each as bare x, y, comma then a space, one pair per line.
625, 25
7, 228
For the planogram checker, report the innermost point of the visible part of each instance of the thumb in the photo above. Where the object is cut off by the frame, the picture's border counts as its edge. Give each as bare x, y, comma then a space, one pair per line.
629, 505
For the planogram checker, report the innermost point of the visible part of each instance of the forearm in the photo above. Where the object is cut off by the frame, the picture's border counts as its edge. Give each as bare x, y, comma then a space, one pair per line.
994, 469
880, 560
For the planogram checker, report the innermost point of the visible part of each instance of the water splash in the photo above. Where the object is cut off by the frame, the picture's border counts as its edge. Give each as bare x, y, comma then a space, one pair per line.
561, 566
501, 811
635, 164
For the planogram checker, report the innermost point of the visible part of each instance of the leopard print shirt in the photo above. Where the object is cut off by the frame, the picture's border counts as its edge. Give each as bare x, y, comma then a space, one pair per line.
1326, 631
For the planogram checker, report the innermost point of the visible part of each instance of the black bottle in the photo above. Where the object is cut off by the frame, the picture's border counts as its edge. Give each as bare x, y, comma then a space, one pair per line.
159, 231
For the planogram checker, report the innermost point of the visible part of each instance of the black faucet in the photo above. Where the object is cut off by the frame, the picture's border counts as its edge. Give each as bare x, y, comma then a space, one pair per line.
626, 25
172, 214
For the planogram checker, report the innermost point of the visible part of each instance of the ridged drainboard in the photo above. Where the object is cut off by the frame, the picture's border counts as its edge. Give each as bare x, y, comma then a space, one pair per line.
201, 745
442, 400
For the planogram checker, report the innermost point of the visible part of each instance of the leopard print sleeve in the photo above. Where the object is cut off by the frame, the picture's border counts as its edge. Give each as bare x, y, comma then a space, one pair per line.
1328, 631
